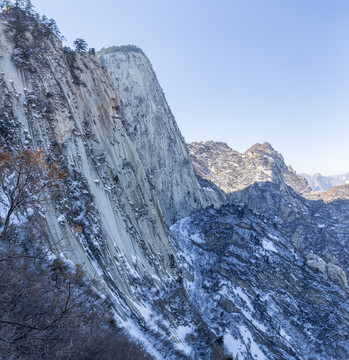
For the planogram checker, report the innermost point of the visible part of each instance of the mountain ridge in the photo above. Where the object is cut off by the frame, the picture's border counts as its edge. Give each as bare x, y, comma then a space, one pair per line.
261, 181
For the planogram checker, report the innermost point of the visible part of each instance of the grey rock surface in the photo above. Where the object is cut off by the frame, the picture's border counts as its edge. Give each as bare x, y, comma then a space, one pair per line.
152, 128
232, 171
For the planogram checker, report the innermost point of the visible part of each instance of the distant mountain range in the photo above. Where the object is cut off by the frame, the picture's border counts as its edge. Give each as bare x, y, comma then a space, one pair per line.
320, 182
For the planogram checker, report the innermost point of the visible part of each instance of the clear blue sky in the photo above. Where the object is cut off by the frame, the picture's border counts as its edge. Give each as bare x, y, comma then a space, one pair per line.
239, 71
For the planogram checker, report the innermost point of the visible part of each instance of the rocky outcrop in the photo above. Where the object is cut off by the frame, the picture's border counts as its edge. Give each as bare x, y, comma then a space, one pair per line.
334, 272
258, 178
335, 193
316, 263
152, 129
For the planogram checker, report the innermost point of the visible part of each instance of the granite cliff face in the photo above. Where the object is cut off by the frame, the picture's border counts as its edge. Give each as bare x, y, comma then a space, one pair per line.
107, 217
152, 128
67, 105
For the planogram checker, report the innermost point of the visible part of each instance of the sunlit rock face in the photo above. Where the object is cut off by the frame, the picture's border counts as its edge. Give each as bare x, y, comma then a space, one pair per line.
257, 178
66, 104
152, 129
233, 171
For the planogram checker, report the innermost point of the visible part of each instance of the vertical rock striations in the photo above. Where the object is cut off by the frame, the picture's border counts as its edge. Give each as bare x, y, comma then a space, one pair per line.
152, 128
65, 103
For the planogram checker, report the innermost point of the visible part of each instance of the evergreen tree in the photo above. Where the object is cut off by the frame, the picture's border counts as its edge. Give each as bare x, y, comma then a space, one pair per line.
80, 45
28, 7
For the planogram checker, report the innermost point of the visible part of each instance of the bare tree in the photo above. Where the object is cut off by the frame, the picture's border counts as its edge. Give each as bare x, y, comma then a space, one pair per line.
48, 309
23, 179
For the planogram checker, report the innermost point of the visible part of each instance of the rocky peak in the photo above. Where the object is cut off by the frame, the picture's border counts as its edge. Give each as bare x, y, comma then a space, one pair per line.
260, 180
265, 148
335, 193
232, 171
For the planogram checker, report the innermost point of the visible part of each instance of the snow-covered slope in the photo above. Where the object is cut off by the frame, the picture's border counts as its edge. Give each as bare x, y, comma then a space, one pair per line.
260, 296
152, 128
